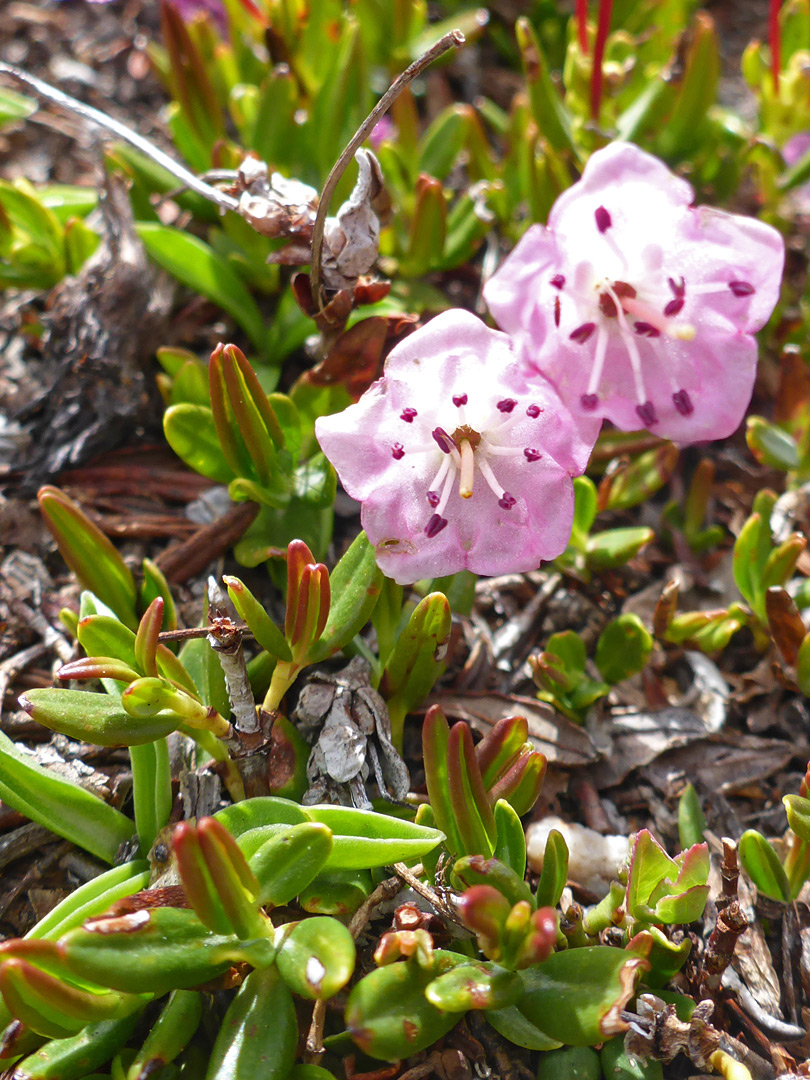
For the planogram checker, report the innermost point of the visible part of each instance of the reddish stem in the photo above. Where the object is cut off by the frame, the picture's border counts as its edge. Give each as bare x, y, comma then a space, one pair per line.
774, 33
602, 31
582, 25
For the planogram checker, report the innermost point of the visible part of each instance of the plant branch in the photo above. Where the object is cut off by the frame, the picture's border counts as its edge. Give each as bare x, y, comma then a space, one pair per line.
98, 119
453, 39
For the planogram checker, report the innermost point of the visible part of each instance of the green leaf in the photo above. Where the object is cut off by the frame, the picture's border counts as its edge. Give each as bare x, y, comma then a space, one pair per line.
89, 554
365, 839
153, 950
196, 264
798, 815
771, 445
285, 864
61, 805
691, 819
417, 660
576, 996
96, 718
763, 866
623, 648
548, 109
190, 432
570, 1063
265, 631
480, 985
510, 842
15, 106
248, 1045
555, 871
315, 957
171, 1033
77, 1056
355, 585
388, 1015
616, 547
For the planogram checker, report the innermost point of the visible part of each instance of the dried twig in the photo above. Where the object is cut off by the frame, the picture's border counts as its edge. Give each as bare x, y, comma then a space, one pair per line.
97, 119
452, 40
225, 638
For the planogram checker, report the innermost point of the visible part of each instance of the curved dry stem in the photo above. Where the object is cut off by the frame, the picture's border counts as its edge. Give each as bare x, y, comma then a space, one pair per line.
453, 39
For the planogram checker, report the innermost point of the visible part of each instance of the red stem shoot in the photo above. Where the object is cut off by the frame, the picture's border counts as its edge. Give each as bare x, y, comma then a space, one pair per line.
602, 31
582, 25
774, 33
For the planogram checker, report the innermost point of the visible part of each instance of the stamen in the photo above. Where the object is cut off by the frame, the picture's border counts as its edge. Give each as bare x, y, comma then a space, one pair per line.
557, 311
742, 288
652, 321
531, 454
602, 339
435, 526
506, 405
491, 479
433, 499
603, 219
533, 411
582, 333
683, 403
646, 414
558, 281
467, 470
678, 288
632, 350
589, 401
443, 439
507, 501
459, 400
397, 451
438, 479
408, 415
447, 491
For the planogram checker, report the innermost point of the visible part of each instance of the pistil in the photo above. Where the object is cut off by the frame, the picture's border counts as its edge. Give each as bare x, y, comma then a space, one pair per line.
466, 473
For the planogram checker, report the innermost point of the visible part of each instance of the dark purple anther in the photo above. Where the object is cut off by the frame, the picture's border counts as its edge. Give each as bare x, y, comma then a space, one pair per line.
443, 439
646, 413
459, 400
397, 451
533, 411
531, 454
742, 288
558, 281
603, 219
683, 403
589, 401
433, 499
507, 501
582, 333
507, 404
674, 307
556, 311
408, 415
647, 329
435, 526
678, 288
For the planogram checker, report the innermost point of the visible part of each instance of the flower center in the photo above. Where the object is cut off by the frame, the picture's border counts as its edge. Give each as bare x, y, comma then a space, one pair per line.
466, 452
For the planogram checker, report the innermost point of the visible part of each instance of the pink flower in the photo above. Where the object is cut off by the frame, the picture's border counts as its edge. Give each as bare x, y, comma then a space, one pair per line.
638, 306
457, 461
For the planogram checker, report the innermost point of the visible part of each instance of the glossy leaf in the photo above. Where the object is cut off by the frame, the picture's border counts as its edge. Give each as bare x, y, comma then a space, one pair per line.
554, 874
199, 267
171, 1033
315, 957
60, 805
248, 1046
474, 986
355, 585
265, 631
285, 864
89, 554
763, 866
623, 648
75, 1057
577, 996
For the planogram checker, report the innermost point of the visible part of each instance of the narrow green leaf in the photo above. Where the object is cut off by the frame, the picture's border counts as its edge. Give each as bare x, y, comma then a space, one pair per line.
197, 265
60, 805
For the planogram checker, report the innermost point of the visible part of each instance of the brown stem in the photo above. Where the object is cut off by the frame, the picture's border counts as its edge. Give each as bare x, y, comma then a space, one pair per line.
453, 39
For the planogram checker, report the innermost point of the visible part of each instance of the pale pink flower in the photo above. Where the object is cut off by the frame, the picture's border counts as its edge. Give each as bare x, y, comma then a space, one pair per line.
638, 306
458, 463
